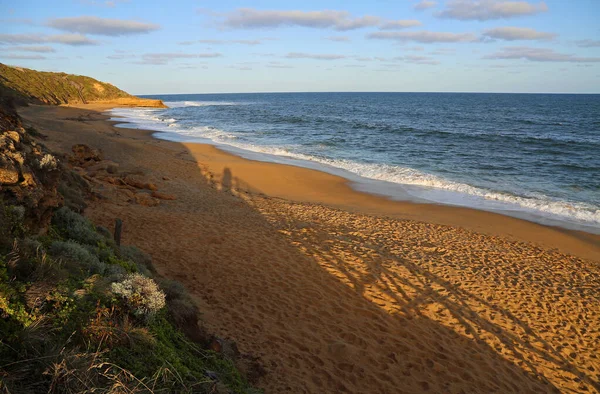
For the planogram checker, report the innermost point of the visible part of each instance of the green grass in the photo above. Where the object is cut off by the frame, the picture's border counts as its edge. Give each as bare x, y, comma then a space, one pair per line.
26, 85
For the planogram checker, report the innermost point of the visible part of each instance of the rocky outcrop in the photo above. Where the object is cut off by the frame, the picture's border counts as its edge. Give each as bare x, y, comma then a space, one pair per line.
29, 174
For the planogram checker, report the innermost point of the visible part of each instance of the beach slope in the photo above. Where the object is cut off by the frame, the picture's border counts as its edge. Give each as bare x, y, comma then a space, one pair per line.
338, 291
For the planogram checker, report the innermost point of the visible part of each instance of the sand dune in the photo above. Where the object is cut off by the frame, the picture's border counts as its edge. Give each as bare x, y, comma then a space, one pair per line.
338, 300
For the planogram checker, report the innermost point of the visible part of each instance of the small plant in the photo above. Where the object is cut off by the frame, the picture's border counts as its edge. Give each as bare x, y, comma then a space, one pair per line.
77, 255
142, 295
12, 223
142, 260
73, 225
48, 163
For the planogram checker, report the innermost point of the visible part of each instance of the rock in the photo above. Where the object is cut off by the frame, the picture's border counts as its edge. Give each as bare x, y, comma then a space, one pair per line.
146, 200
127, 193
9, 175
28, 179
112, 168
131, 181
101, 166
138, 184
83, 153
17, 156
13, 135
163, 196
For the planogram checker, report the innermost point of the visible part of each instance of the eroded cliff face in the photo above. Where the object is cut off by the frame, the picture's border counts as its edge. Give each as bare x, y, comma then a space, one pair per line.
29, 174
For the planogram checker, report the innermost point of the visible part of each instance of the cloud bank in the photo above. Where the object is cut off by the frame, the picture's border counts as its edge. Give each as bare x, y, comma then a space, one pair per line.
160, 59
424, 37
483, 10
424, 5
33, 48
222, 42
539, 55
316, 56
518, 33
37, 38
250, 18
588, 43
23, 57
101, 26
400, 24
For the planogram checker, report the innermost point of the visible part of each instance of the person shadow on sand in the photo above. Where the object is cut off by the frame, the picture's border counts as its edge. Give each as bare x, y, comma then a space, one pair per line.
226, 179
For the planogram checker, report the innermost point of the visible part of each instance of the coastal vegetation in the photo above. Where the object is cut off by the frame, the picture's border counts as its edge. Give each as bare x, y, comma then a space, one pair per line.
38, 87
78, 311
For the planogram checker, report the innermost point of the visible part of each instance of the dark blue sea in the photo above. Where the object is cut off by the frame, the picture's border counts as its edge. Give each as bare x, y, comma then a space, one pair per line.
535, 156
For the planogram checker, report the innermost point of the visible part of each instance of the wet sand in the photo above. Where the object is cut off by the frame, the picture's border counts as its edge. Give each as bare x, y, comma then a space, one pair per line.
341, 291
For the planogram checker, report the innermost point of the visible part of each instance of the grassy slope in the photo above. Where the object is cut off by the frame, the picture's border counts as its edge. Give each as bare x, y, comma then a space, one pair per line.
39, 87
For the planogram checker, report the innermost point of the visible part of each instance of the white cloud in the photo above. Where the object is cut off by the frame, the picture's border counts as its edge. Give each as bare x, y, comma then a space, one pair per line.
222, 42
518, 33
443, 51
539, 55
278, 65
424, 5
36, 38
249, 18
483, 10
317, 56
588, 43
22, 57
400, 24
101, 26
338, 38
33, 48
424, 37
164, 58
417, 59
17, 21
120, 56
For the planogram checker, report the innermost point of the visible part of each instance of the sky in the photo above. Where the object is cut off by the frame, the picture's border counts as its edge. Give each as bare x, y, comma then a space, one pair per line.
207, 46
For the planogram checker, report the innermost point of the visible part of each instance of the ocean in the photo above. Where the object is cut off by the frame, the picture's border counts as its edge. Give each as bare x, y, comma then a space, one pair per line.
533, 156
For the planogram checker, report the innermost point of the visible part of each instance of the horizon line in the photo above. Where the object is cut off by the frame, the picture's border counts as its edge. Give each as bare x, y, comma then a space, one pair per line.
365, 91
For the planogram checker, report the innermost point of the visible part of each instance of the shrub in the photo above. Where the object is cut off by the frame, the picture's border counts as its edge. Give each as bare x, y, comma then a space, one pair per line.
33, 263
11, 223
104, 232
48, 162
142, 295
75, 254
30, 247
181, 306
73, 225
142, 260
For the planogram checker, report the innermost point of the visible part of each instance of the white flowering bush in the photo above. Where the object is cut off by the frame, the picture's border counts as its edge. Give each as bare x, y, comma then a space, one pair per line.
48, 162
141, 295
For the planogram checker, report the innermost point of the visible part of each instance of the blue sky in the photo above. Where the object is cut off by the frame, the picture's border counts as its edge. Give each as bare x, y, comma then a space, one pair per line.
148, 47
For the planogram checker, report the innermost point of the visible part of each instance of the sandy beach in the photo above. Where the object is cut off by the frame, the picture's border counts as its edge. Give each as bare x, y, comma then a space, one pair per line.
340, 291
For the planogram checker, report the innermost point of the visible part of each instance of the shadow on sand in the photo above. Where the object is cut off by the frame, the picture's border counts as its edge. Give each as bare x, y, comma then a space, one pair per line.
325, 310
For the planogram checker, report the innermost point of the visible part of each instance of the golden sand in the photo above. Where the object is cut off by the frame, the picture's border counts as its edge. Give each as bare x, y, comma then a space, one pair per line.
340, 291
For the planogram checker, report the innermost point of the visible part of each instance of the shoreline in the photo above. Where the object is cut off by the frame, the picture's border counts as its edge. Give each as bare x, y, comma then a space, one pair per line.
335, 290
502, 203
322, 187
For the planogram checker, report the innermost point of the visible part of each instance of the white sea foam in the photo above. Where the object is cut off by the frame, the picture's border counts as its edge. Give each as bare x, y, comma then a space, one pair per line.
561, 210
180, 104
